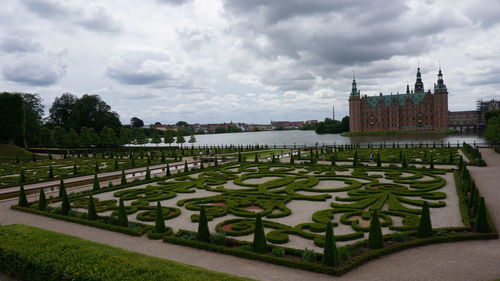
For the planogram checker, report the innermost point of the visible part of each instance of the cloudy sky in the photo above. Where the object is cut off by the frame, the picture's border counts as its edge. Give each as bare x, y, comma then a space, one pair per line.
247, 61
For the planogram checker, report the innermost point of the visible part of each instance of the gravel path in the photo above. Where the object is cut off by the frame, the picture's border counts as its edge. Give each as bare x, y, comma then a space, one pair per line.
472, 260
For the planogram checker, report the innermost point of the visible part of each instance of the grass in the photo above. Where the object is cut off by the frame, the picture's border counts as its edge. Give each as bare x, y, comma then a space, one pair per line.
400, 132
31, 253
9, 152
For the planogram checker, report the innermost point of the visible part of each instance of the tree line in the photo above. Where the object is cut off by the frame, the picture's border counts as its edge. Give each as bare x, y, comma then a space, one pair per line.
329, 126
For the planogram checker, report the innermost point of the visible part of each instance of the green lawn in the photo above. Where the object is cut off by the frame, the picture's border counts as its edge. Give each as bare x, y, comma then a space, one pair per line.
31, 253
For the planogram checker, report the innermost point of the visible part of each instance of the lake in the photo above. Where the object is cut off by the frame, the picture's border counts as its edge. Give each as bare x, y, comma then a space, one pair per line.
311, 138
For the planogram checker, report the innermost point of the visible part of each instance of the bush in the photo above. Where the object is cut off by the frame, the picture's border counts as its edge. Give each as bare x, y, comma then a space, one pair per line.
259, 238
309, 255
375, 240
330, 255
218, 238
42, 200
279, 252
160, 221
96, 186
92, 214
65, 206
23, 201
122, 215
247, 247
203, 231
481, 219
399, 236
425, 226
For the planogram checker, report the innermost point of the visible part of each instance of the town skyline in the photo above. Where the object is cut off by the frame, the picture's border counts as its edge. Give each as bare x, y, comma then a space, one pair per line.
250, 62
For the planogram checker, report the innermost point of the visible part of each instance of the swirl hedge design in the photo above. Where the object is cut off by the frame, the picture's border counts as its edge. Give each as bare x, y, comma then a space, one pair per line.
244, 190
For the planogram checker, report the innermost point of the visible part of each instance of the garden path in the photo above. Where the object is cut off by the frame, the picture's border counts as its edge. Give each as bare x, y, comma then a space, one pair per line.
470, 260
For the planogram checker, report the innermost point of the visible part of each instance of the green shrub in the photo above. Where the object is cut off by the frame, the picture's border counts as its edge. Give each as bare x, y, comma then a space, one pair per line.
203, 231
148, 174
123, 178
330, 254
375, 239
425, 226
22, 177
279, 252
218, 238
91, 214
42, 200
168, 170
481, 219
160, 221
246, 247
189, 236
122, 214
96, 186
23, 201
399, 236
62, 189
65, 205
51, 173
259, 238
309, 255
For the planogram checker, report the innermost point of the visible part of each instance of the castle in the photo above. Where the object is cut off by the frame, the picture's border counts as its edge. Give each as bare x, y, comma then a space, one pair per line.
414, 110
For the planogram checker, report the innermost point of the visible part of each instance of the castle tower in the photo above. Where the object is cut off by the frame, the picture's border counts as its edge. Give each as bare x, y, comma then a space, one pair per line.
440, 103
419, 85
354, 109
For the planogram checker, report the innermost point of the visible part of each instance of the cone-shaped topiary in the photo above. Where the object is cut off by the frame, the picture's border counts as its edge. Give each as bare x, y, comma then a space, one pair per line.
42, 200
123, 179
481, 220
476, 204
203, 232
239, 156
51, 173
292, 160
450, 159
160, 220
168, 170
61, 188
216, 163
333, 159
201, 164
23, 201
186, 168
148, 174
65, 205
91, 213
256, 157
375, 239
22, 177
132, 161
425, 226
355, 158
404, 164
116, 164
75, 169
122, 214
379, 163
432, 162
259, 238
330, 254
96, 186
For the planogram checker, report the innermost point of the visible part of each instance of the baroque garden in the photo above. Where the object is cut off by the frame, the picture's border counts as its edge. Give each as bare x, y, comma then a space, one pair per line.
324, 209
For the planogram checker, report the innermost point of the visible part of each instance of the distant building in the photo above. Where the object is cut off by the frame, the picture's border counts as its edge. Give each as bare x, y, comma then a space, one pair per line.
414, 110
465, 121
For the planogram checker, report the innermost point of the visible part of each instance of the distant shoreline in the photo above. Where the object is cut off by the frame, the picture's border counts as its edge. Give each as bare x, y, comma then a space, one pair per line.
400, 133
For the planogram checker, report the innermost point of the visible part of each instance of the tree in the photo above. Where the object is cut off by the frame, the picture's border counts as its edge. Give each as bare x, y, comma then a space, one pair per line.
481, 219
180, 137
71, 138
140, 137
425, 226
59, 137
169, 137
379, 163
85, 137
160, 220
61, 111
330, 254
22, 177
203, 232
123, 179
94, 136
108, 137
148, 174
96, 186
62, 189
344, 124
182, 124
192, 139
168, 170
92, 112
156, 138
65, 205
259, 238
91, 211
432, 162
12, 117
122, 214
136, 122
125, 137
33, 113
42, 200
46, 137
51, 173
492, 131
375, 239
23, 201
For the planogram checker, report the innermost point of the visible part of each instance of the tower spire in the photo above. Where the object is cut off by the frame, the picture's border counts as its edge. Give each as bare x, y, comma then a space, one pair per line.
354, 90
419, 85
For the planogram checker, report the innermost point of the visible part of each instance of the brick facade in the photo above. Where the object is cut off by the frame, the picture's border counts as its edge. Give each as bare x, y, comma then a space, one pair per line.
414, 110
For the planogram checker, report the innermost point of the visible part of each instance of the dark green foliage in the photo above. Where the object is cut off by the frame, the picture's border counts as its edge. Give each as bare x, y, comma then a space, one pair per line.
96, 186
51, 173
122, 214
375, 239
256, 157
481, 219
355, 161
333, 159
22, 177
259, 238
292, 160
96, 168
203, 232
148, 174
65, 205
160, 221
168, 170
42, 200
425, 226
404, 164
239, 156
61, 188
450, 160
186, 168
432, 162
116, 164
330, 254
75, 169
91, 213
377, 159
216, 163
123, 179
23, 201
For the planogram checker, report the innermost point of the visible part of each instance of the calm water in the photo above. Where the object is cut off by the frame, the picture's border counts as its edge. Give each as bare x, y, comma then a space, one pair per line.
311, 138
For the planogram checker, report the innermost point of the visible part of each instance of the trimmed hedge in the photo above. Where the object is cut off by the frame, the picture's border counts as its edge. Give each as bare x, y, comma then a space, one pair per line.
30, 253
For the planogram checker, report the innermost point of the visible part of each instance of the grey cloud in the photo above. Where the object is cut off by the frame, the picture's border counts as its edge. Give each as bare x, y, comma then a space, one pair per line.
19, 45
484, 12
95, 19
174, 2
34, 71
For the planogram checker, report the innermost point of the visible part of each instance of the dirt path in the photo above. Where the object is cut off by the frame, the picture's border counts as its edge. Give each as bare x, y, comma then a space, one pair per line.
472, 260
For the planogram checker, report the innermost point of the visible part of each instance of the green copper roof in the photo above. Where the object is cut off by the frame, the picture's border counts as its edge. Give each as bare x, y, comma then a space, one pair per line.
400, 99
